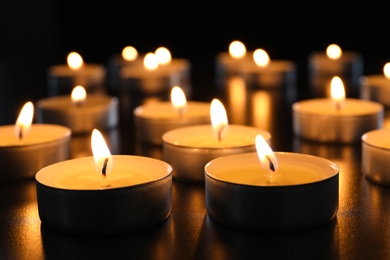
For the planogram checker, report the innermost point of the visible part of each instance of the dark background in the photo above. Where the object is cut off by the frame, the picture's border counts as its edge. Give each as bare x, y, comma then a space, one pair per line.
37, 34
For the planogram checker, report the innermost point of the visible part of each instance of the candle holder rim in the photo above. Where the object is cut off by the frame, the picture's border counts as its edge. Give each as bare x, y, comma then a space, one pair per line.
364, 139
229, 183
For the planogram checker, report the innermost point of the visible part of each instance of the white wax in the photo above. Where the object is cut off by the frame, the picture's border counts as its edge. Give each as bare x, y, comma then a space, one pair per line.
202, 136
379, 138
39, 133
320, 62
165, 110
294, 169
80, 174
274, 67
89, 70
326, 107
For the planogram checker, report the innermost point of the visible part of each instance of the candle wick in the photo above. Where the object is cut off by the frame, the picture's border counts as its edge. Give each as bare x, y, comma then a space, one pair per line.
20, 132
271, 176
220, 133
180, 112
271, 165
104, 166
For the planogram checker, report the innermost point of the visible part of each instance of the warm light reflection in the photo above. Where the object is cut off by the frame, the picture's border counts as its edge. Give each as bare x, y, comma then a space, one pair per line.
337, 92
178, 99
386, 70
23, 123
129, 53
261, 58
237, 99
333, 52
101, 153
150, 61
75, 61
219, 120
78, 95
163, 55
267, 159
237, 49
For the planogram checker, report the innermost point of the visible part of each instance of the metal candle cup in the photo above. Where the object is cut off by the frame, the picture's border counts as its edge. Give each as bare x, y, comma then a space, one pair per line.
189, 149
153, 120
46, 144
375, 156
71, 198
306, 195
319, 120
375, 88
97, 111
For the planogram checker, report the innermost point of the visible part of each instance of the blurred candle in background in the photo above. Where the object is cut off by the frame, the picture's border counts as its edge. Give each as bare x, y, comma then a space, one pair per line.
377, 87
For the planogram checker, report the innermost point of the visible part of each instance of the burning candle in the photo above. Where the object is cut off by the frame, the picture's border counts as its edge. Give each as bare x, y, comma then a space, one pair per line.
375, 156
79, 112
295, 191
104, 194
152, 120
336, 119
377, 87
25, 147
188, 149
265, 73
62, 78
323, 66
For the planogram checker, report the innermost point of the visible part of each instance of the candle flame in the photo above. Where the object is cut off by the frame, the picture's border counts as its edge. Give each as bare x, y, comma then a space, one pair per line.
237, 49
75, 61
178, 99
219, 120
78, 95
337, 92
150, 61
23, 123
386, 70
129, 53
268, 160
333, 52
163, 55
101, 153
261, 57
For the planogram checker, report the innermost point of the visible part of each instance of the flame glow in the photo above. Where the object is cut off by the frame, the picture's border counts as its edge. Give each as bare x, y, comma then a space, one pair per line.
78, 95
101, 153
386, 70
75, 61
178, 99
129, 53
333, 52
237, 49
219, 120
23, 123
337, 92
150, 61
266, 155
163, 55
261, 57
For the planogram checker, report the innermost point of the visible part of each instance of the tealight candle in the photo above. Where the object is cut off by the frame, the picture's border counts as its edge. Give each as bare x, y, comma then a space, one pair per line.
62, 78
336, 119
188, 149
25, 147
265, 73
272, 192
154, 119
323, 66
156, 76
377, 87
104, 194
79, 112
375, 156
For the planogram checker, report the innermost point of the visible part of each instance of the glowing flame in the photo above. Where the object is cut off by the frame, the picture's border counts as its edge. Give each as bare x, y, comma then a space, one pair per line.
23, 123
163, 55
101, 153
178, 99
150, 61
75, 61
333, 52
129, 53
267, 157
261, 57
337, 92
219, 118
386, 70
237, 49
78, 95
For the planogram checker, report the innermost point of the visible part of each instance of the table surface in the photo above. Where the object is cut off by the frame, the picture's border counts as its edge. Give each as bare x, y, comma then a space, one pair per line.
361, 229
